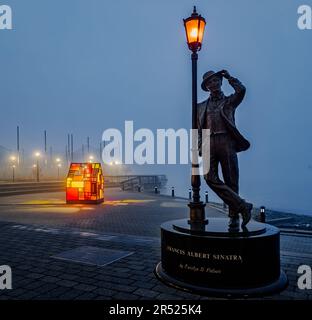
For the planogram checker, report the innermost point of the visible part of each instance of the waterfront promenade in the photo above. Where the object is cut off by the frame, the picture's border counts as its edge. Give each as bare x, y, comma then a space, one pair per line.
107, 251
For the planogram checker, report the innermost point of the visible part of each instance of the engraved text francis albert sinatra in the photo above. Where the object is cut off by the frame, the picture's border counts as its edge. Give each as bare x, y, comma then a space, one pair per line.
205, 255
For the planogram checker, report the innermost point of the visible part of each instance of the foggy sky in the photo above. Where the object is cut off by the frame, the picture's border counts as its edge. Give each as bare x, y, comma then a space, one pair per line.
85, 66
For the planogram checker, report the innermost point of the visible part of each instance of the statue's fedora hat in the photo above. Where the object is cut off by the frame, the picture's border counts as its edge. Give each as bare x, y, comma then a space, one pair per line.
208, 75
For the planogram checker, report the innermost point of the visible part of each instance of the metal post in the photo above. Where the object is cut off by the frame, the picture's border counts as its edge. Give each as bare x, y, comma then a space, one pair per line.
68, 148
262, 214
37, 167
206, 196
66, 153
13, 173
45, 148
72, 147
190, 194
172, 191
197, 207
18, 144
45, 141
51, 154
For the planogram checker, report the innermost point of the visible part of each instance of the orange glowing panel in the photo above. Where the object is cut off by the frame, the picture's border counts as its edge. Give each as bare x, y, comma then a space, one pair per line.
85, 183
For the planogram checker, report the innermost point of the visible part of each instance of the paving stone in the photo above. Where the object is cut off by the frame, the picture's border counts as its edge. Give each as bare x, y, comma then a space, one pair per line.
67, 283
164, 296
68, 276
105, 292
71, 294
102, 297
34, 275
86, 296
125, 296
85, 287
145, 285
50, 279
146, 293
124, 288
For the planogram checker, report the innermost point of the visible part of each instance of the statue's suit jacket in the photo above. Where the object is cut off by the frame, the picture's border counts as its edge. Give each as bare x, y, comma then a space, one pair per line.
227, 109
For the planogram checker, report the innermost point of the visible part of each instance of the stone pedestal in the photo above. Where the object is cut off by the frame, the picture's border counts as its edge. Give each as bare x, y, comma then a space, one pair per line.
209, 259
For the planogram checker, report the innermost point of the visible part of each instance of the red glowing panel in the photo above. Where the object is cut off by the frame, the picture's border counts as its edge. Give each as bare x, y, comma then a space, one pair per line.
71, 194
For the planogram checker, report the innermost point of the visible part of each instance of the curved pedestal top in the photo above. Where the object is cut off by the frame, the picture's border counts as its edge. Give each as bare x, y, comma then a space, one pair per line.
217, 227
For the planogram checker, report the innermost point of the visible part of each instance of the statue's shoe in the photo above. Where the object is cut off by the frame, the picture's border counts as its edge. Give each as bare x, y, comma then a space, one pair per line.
234, 223
246, 213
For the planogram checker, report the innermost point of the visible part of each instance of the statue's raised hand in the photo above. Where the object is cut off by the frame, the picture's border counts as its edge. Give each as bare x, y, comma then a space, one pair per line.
225, 74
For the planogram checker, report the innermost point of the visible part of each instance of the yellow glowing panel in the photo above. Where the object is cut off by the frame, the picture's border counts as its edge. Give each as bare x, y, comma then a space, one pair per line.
77, 184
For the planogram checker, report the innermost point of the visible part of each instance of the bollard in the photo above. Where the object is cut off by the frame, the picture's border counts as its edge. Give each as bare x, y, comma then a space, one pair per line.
206, 196
172, 191
139, 188
156, 191
190, 194
262, 214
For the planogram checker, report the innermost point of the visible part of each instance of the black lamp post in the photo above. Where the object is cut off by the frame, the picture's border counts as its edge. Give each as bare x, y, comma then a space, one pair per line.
194, 28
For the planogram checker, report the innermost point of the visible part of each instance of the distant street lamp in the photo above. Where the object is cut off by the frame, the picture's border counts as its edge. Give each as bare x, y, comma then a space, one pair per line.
194, 28
59, 165
37, 155
13, 172
58, 171
13, 159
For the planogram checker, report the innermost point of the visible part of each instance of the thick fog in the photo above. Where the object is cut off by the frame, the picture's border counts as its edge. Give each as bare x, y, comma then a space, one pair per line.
84, 66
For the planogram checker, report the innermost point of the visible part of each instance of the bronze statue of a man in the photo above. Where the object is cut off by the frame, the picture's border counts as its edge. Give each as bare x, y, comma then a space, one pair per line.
217, 113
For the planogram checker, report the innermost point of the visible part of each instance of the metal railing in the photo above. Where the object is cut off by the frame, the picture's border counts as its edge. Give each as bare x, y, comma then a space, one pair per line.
144, 182
16, 188
125, 182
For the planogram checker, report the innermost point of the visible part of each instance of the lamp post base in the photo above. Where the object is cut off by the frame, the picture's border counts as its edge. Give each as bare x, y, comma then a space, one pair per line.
197, 212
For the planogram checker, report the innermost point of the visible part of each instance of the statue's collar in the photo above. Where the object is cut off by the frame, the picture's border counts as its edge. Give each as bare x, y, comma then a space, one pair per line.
218, 97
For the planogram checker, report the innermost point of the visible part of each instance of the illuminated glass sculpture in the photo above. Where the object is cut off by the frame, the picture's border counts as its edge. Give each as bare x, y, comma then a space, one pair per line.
85, 183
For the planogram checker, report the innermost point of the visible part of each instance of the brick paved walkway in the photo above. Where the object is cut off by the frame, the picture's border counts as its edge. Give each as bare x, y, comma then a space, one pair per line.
32, 234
